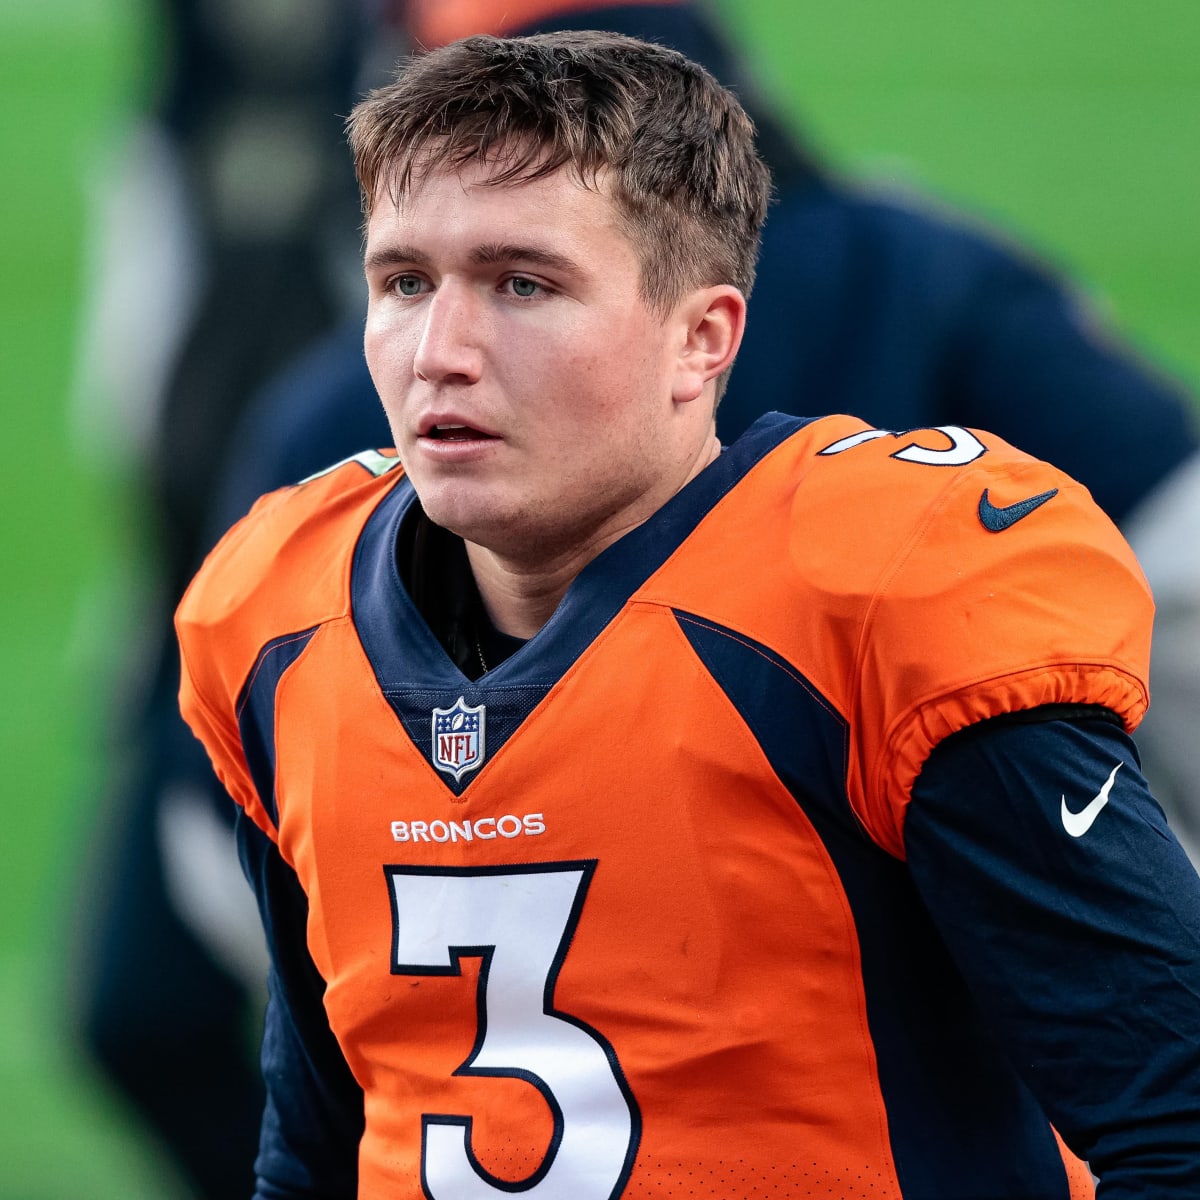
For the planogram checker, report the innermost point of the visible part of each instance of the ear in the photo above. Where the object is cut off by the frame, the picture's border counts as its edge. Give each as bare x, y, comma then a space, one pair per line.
713, 320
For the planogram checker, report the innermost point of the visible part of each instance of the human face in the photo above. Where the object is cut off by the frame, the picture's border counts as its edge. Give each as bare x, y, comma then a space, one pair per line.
533, 397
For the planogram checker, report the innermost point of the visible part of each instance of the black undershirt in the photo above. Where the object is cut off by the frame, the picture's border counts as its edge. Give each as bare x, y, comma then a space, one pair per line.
434, 568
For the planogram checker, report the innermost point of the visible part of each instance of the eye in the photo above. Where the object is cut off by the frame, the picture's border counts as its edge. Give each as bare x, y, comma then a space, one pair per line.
407, 285
523, 287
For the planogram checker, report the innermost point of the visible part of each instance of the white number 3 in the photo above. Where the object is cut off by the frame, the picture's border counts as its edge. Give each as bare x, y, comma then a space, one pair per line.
964, 446
519, 921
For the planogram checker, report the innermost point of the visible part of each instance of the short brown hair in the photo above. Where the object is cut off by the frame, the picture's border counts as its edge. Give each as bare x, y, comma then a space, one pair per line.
675, 146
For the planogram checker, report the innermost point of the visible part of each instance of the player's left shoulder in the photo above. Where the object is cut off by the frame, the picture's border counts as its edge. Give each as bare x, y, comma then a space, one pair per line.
934, 523
988, 581
963, 481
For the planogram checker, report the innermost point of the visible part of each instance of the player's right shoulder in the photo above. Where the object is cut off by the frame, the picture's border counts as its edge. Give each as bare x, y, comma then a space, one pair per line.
287, 562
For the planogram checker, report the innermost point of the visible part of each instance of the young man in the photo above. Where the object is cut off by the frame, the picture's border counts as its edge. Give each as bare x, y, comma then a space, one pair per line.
631, 817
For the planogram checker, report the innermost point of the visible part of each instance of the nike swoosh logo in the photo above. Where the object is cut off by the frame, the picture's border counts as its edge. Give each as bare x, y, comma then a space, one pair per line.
1078, 823
999, 519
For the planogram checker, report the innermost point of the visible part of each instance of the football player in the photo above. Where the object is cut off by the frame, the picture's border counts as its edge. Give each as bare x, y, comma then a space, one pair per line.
628, 814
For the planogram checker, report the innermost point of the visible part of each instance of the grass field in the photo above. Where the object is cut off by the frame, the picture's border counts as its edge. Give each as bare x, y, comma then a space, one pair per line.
1074, 124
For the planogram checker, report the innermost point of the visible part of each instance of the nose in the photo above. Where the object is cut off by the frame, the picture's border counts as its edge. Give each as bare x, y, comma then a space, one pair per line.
449, 350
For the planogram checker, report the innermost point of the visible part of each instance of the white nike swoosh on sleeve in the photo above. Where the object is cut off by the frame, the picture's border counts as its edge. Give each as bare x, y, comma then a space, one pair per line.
1077, 824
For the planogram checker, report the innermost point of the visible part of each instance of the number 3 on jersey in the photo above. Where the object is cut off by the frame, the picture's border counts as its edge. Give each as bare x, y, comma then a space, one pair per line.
519, 921
964, 446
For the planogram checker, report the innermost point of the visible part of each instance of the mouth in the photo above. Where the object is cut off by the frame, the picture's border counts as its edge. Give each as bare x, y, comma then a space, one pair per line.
449, 426
455, 433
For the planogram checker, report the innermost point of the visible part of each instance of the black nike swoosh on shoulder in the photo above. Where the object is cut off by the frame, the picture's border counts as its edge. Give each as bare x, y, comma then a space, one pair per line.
999, 519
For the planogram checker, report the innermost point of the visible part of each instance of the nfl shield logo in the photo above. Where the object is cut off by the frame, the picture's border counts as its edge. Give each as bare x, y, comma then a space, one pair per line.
458, 738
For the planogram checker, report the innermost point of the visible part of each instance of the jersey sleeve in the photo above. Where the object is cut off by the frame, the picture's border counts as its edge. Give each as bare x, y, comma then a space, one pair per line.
211, 678
1074, 916
999, 587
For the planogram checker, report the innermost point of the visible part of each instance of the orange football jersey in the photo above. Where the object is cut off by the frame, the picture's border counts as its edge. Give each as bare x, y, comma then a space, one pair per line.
627, 916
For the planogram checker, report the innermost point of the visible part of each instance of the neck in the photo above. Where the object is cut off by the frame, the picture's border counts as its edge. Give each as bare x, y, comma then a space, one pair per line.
521, 591
519, 599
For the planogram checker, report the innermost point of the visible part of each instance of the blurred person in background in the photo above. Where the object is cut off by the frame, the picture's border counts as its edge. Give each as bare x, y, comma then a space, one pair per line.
224, 245
867, 303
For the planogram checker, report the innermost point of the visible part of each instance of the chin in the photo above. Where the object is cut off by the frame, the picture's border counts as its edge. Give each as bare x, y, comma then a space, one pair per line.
474, 522
509, 525
452, 503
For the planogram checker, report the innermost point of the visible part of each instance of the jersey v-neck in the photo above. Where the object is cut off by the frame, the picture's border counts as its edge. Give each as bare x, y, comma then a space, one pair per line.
419, 667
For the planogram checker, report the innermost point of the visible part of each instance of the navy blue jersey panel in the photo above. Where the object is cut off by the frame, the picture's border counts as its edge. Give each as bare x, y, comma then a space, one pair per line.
953, 1100
256, 711
403, 652
1075, 917
313, 1119
766, 690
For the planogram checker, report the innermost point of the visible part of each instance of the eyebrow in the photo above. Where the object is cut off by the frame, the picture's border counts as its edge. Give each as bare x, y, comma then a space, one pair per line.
389, 256
537, 256
485, 255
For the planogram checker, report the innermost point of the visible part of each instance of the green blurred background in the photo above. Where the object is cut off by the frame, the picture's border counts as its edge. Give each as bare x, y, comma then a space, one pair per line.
1072, 124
